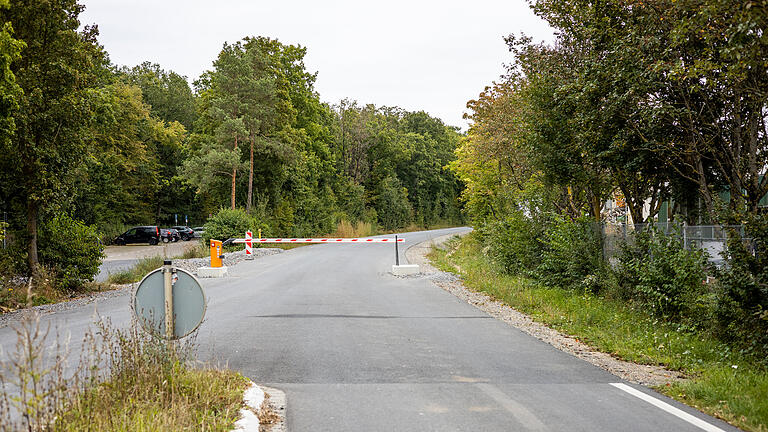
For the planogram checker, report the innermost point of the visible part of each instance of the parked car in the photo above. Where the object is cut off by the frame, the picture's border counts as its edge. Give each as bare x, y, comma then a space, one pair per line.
186, 233
169, 235
199, 231
140, 234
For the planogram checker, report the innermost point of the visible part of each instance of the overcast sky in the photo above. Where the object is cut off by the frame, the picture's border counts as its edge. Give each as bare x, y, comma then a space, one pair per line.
418, 55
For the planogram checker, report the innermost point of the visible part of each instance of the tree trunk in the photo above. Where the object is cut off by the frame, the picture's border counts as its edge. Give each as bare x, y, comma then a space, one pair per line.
32, 215
250, 179
234, 176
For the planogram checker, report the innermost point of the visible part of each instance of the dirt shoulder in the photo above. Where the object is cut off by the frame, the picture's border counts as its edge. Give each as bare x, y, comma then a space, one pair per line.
632, 372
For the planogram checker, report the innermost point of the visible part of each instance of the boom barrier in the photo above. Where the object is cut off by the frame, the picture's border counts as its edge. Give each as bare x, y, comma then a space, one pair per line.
318, 240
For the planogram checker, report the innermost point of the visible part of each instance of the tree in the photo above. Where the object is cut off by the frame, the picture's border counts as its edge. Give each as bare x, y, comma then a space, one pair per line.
167, 93
57, 71
268, 107
10, 92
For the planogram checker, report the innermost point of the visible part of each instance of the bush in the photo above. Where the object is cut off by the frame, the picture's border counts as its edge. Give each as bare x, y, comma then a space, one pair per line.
656, 271
572, 255
515, 243
229, 223
72, 249
741, 294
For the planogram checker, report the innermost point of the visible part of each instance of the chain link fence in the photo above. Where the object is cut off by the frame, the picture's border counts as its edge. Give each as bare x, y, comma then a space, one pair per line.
712, 239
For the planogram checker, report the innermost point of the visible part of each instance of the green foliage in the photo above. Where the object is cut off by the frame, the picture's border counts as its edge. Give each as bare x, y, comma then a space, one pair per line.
572, 254
72, 248
392, 205
742, 288
516, 243
10, 51
228, 223
57, 73
656, 271
166, 93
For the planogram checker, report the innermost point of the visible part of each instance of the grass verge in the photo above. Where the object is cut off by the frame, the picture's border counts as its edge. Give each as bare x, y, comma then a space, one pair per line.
125, 380
721, 382
178, 399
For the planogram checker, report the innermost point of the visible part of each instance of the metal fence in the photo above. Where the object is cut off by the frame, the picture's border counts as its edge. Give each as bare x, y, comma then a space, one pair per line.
712, 239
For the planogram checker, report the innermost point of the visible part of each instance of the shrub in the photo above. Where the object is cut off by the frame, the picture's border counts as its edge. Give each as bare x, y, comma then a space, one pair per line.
656, 271
229, 223
72, 249
515, 243
572, 254
741, 291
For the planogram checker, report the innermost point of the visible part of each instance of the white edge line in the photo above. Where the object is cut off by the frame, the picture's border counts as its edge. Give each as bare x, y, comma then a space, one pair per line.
668, 408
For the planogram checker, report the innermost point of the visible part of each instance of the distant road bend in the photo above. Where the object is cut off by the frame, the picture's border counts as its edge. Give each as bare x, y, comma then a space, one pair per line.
357, 349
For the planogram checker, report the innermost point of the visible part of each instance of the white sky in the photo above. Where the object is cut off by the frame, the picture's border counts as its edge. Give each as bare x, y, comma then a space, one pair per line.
418, 55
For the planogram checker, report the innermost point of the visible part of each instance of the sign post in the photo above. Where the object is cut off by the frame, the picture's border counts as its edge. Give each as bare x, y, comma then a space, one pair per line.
169, 302
168, 294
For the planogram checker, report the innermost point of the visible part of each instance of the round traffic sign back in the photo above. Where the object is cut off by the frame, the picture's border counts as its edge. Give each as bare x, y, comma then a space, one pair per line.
189, 303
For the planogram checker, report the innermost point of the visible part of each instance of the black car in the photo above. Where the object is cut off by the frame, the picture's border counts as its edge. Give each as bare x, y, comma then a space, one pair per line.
169, 235
185, 233
140, 234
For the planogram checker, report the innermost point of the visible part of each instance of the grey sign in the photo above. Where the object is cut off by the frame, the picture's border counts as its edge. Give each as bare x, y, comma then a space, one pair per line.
188, 303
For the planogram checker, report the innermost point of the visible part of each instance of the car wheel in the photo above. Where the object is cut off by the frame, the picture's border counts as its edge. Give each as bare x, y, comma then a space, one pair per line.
119, 243
152, 242
185, 237
165, 240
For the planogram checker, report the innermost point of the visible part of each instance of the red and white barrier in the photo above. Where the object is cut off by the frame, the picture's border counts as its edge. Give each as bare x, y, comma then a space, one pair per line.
248, 245
320, 240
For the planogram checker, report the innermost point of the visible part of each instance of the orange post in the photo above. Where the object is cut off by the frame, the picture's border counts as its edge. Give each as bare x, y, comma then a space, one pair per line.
215, 253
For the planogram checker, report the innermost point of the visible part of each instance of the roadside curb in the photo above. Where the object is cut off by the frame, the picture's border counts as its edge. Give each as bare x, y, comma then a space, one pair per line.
249, 419
262, 405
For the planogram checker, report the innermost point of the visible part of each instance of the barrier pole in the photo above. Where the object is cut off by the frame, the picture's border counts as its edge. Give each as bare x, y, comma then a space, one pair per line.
248, 245
397, 255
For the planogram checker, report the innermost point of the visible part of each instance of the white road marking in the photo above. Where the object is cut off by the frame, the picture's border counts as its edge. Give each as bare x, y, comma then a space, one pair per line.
668, 408
521, 413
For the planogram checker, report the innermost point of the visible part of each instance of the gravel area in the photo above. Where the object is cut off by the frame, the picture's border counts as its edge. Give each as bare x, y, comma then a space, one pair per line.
190, 265
230, 259
632, 372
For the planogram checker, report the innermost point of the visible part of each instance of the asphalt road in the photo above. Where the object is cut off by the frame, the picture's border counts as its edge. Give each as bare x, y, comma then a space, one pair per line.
357, 349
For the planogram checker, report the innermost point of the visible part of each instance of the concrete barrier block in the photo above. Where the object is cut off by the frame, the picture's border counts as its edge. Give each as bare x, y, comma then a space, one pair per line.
212, 272
405, 269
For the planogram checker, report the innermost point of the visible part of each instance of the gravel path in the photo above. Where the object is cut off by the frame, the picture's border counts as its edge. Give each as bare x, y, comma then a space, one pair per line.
639, 374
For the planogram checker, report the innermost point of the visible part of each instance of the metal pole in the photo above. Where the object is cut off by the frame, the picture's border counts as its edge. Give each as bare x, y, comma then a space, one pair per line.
397, 255
168, 285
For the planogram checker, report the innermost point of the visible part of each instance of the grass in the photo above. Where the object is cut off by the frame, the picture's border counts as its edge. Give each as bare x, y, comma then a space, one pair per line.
721, 382
138, 271
126, 380
175, 400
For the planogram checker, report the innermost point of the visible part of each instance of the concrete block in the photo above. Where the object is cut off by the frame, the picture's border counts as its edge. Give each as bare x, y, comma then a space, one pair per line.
212, 272
405, 269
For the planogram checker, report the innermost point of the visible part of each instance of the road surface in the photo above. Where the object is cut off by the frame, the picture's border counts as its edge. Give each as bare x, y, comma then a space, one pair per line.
357, 349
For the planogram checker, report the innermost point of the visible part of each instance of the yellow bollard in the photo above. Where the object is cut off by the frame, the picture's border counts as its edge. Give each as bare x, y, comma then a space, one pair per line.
215, 253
